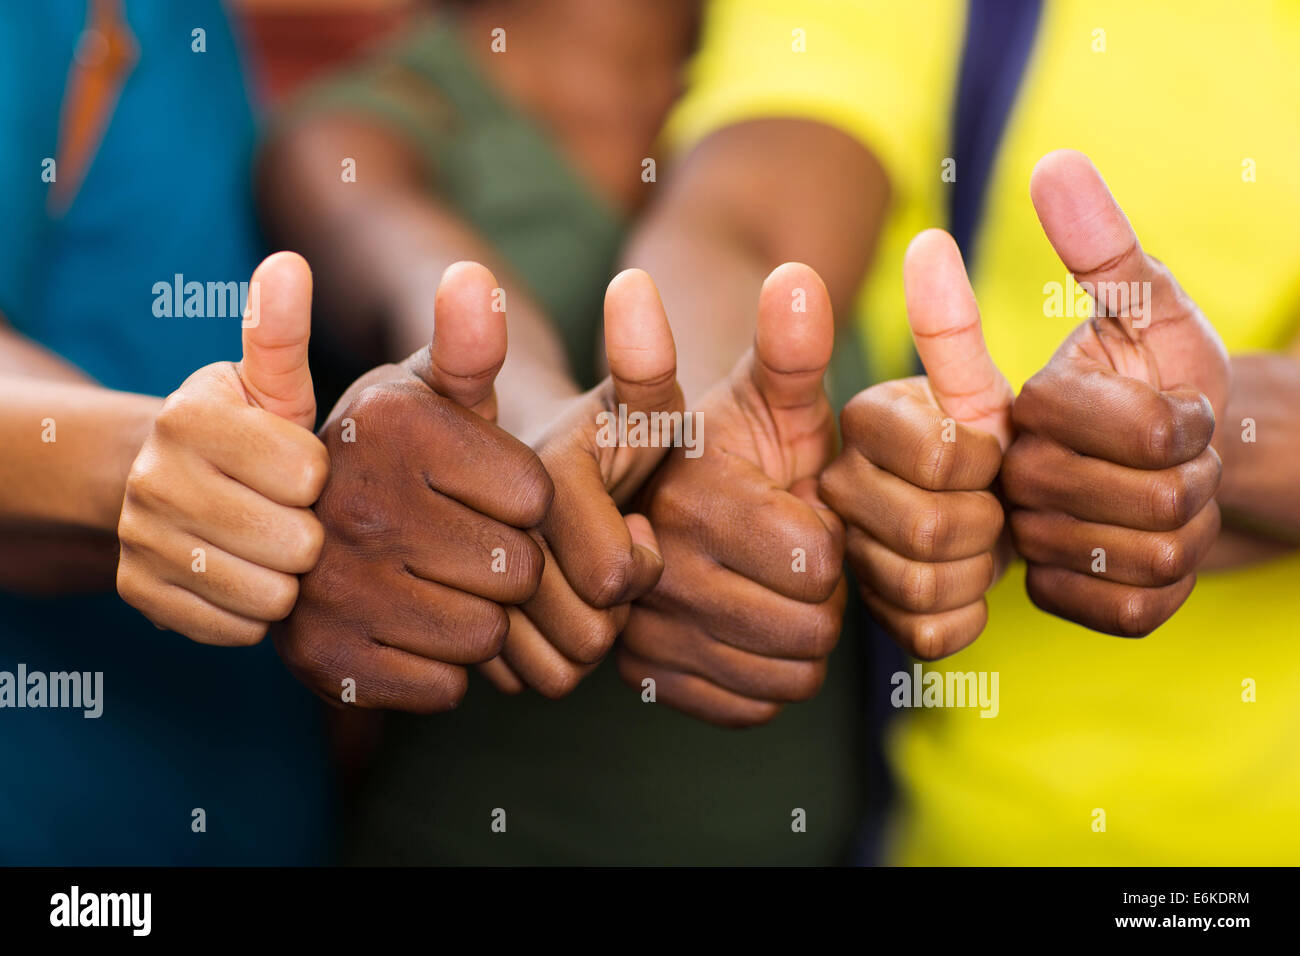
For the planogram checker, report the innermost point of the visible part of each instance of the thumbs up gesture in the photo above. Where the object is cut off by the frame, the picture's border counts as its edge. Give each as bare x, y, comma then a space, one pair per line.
913, 481
752, 597
216, 521
426, 516
599, 452
1111, 479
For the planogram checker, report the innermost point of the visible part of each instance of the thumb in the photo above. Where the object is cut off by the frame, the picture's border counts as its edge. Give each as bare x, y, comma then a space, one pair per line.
794, 338
945, 323
639, 345
276, 327
1095, 241
469, 338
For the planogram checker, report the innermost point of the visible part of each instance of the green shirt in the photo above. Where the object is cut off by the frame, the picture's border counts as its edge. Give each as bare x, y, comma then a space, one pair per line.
601, 776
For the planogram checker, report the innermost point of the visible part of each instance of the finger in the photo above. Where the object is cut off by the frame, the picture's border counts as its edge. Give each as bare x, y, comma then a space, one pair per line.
794, 337
775, 538
381, 677
1095, 241
695, 696
897, 426
1080, 408
431, 620
913, 522
582, 633
928, 636
272, 456
639, 344
681, 646
1140, 558
177, 609
243, 523
276, 328
1106, 606
465, 550
469, 339
945, 323
922, 587
222, 579
451, 449
740, 612
537, 662
500, 676
592, 542
1043, 476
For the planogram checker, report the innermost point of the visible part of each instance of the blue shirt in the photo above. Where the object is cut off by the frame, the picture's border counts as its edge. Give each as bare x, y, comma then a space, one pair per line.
185, 727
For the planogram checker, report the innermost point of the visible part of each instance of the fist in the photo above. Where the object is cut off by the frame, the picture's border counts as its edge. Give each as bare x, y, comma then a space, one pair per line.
598, 560
752, 595
1111, 479
216, 521
426, 518
914, 480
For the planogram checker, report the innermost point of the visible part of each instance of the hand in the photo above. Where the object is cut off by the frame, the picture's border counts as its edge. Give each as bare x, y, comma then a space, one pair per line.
913, 482
216, 519
425, 515
752, 595
597, 560
1111, 478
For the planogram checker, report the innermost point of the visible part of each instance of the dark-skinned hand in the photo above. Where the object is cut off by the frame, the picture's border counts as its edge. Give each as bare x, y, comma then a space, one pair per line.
1111, 479
426, 516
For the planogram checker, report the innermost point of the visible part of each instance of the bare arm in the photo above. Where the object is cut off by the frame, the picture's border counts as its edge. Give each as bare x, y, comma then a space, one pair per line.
378, 247
1259, 442
746, 199
69, 445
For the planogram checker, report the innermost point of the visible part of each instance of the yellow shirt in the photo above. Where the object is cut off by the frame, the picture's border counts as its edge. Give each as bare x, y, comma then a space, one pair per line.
1192, 113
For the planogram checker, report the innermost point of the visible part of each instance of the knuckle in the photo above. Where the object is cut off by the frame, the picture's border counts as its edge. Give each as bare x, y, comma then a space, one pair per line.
919, 587
313, 470
822, 632
1170, 501
1162, 438
825, 565
596, 637
176, 415
485, 631
282, 595
1136, 615
556, 679
608, 581
807, 679
1025, 409
926, 532
303, 539
357, 513
1171, 559
935, 463
927, 639
532, 492
525, 566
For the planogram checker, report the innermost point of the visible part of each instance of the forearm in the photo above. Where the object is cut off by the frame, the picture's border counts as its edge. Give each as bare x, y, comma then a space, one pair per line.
68, 449
1259, 442
742, 202
379, 246
709, 282
70, 445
